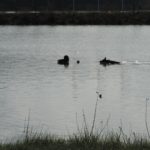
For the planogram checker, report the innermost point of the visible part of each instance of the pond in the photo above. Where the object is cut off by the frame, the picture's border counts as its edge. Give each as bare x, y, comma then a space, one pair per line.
54, 98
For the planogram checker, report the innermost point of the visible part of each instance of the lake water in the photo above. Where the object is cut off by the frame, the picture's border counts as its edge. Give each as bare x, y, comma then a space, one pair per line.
33, 84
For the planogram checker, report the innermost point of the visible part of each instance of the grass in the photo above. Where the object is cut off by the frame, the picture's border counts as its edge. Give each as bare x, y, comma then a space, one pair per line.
79, 142
85, 139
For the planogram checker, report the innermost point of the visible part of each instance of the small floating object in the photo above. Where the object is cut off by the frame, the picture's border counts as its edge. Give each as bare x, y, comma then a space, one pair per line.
78, 61
106, 62
100, 95
64, 61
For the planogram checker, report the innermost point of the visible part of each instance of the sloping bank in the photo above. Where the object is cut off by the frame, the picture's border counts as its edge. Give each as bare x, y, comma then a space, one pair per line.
75, 18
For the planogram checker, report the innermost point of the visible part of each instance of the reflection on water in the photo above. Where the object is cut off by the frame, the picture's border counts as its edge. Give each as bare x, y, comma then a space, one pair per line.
31, 79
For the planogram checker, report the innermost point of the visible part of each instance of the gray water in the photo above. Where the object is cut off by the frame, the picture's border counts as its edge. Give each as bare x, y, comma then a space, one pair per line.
54, 97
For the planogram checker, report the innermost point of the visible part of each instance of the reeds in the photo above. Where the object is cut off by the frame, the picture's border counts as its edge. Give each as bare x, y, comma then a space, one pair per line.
79, 142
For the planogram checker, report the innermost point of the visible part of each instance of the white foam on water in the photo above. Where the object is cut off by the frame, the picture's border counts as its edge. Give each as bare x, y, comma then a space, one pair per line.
124, 62
137, 62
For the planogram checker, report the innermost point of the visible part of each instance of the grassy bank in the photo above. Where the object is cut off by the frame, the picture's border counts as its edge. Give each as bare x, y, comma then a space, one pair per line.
86, 138
75, 18
79, 142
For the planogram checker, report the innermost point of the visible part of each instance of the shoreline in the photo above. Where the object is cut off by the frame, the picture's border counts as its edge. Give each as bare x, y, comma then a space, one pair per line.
75, 18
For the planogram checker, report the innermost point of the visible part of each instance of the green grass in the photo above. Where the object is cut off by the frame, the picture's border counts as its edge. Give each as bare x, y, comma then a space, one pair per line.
85, 139
82, 141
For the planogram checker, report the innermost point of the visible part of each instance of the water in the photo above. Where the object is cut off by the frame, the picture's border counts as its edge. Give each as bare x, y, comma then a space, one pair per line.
32, 84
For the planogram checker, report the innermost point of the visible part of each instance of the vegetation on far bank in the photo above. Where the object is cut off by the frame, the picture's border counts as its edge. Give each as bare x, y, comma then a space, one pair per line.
75, 18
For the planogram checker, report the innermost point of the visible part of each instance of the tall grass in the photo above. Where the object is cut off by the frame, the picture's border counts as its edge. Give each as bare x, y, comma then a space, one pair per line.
112, 141
84, 139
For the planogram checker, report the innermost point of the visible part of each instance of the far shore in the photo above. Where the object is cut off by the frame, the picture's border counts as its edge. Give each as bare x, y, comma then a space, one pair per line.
75, 18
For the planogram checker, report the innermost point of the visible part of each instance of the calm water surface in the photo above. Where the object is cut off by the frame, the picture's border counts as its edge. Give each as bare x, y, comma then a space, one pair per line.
32, 83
